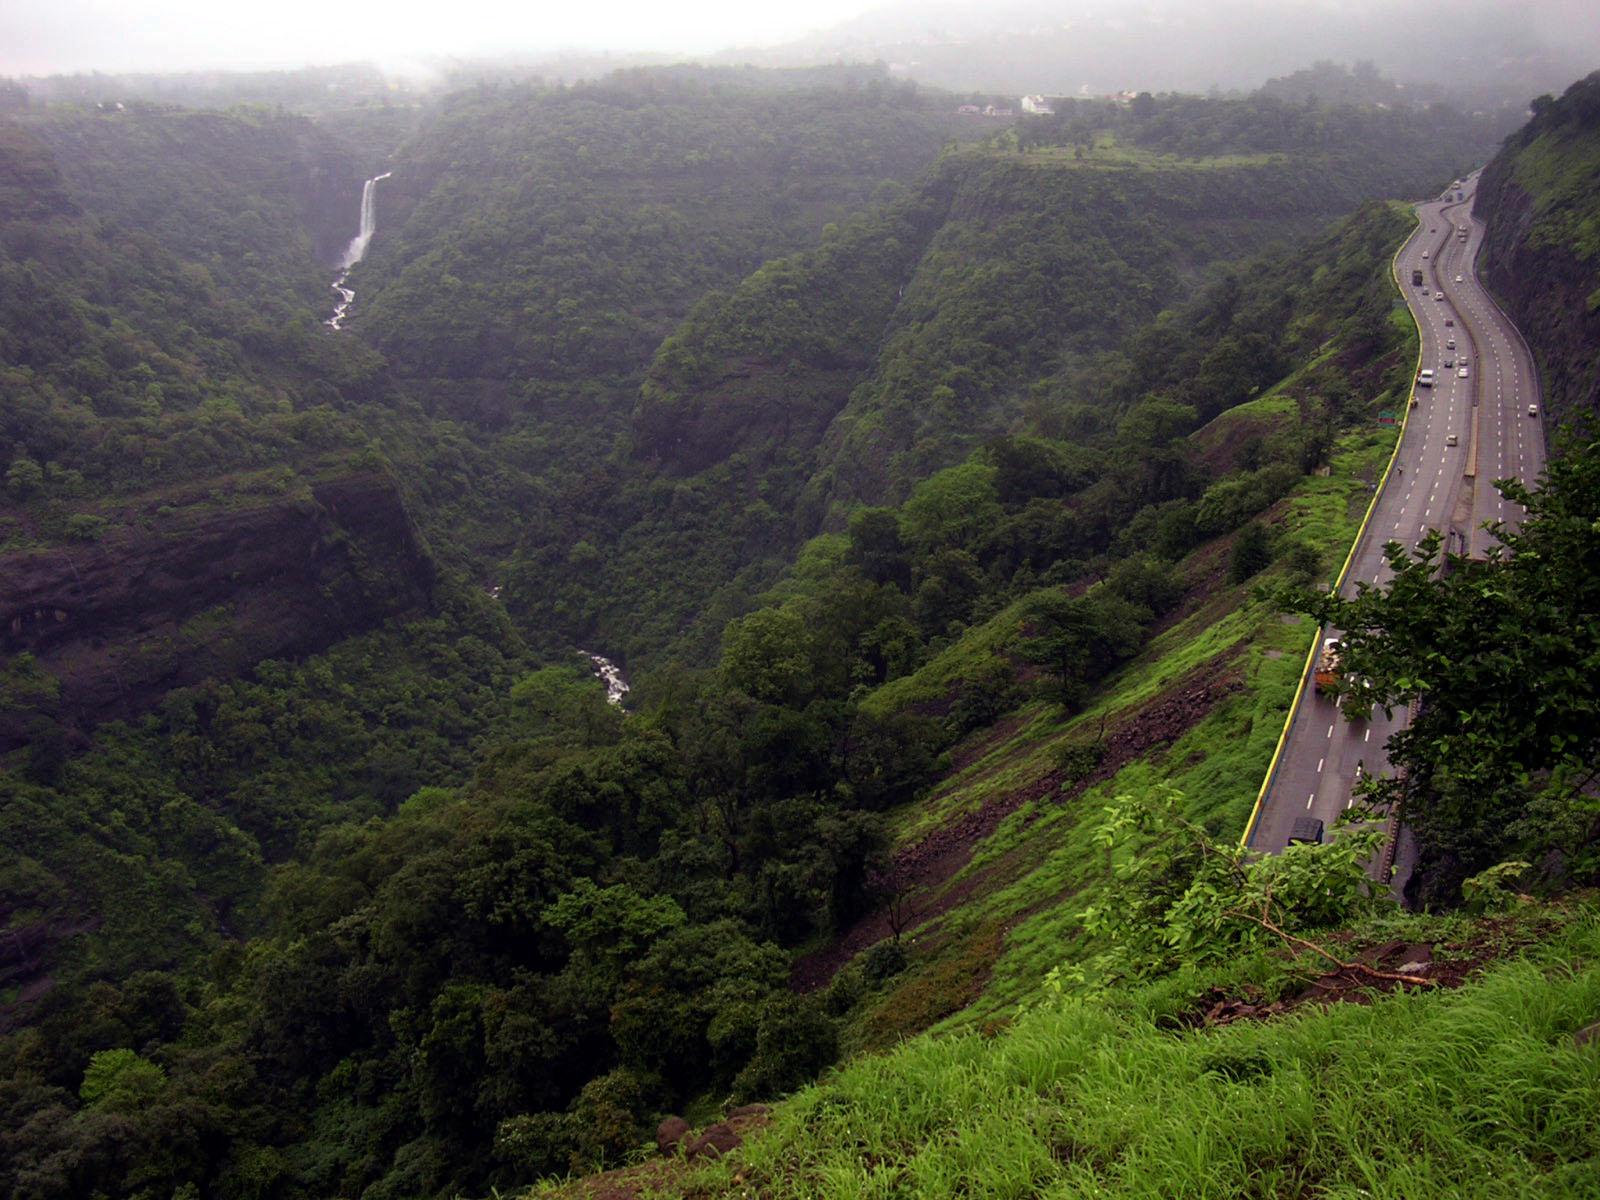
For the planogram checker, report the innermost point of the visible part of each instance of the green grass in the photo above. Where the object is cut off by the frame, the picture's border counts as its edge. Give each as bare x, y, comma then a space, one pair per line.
1558, 170
1109, 152
1478, 1092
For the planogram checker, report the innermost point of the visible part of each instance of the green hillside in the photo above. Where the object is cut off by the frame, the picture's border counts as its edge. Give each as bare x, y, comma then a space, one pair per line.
1542, 253
957, 497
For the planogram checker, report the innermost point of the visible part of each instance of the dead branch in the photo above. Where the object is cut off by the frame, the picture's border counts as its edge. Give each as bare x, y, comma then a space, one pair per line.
1360, 968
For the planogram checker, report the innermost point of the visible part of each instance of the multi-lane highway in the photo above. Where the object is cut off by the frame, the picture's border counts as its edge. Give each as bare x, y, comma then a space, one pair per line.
1472, 426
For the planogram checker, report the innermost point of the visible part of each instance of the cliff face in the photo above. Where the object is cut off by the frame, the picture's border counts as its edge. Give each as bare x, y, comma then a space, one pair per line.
206, 593
1540, 201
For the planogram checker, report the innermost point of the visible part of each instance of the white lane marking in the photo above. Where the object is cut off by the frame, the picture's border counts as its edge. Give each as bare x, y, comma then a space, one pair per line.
1309, 799
1330, 730
1320, 761
1367, 737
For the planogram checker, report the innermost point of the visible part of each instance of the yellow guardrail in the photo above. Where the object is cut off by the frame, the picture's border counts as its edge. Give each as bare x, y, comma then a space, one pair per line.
1355, 544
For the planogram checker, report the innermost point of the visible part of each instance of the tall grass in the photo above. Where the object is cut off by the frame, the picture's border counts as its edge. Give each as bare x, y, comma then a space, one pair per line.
1474, 1093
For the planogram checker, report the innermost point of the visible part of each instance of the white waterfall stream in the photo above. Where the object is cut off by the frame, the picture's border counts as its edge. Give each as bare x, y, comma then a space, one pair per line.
616, 686
356, 250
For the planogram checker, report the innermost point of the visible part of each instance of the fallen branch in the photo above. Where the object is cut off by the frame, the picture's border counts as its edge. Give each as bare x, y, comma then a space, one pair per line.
1361, 968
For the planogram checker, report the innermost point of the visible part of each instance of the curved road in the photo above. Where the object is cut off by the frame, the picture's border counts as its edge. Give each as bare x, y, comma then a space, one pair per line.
1464, 433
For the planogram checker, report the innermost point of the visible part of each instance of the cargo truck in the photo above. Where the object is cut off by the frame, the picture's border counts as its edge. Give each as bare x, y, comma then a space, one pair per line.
1416, 276
1327, 676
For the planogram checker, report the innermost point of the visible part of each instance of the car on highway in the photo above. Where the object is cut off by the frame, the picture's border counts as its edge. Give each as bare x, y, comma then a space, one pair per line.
1438, 295
1451, 440
1450, 344
1461, 374
1449, 320
1458, 279
1424, 254
1305, 830
1449, 362
1533, 410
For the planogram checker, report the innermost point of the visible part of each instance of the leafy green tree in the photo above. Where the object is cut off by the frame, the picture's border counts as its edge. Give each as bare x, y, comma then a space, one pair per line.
609, 927
951, 509
120, 1081
1252, 553
876, 548
767, 655
1182, 897
24, 478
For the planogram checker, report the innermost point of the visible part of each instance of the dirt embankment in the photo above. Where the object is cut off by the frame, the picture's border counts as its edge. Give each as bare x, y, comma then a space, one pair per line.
923, 873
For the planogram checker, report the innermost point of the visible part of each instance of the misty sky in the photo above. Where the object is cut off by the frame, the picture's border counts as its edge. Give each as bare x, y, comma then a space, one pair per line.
61, 36
48, 36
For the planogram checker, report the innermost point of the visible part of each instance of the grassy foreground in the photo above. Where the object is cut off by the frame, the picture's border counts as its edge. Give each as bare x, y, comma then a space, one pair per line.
1478, 1092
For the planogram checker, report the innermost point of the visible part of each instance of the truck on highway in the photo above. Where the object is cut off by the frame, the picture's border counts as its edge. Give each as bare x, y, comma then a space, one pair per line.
1416, 276
1327, 675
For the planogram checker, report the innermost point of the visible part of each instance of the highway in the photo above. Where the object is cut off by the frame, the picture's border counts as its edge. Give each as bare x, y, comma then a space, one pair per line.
1467, 430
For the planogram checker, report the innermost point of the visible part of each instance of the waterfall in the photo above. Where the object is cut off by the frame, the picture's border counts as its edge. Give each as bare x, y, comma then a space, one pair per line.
611, 674
356, 250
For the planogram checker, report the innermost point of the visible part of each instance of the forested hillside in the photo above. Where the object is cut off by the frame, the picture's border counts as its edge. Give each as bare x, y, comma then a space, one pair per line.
1542, 254
995, 295
928, 488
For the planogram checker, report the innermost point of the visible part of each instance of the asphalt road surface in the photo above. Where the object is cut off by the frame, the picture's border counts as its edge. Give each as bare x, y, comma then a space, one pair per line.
1434, 484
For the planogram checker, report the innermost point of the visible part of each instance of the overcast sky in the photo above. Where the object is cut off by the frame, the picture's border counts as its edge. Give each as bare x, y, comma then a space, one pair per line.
60, 36
48, 36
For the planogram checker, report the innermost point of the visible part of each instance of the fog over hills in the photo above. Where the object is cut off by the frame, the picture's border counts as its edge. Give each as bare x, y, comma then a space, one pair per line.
1094, 46
1481, 51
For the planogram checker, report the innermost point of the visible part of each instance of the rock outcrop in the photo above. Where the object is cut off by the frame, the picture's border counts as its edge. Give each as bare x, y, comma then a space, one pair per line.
174, 597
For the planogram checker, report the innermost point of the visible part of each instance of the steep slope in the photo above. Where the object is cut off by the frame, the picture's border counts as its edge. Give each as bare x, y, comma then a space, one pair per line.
186, 490
1542, 251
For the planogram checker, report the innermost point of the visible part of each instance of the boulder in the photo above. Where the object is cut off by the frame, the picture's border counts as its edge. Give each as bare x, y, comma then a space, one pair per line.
670, 1133
715, 1142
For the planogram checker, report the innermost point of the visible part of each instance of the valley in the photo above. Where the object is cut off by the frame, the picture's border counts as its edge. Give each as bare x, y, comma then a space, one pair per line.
757, 587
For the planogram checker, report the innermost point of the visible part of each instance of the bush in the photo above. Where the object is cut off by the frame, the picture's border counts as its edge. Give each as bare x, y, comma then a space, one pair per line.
884, 961
85, 527
797, 1039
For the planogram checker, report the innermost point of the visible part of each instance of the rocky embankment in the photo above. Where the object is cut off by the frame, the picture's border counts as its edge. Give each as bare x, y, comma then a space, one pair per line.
206, 591
1540, 255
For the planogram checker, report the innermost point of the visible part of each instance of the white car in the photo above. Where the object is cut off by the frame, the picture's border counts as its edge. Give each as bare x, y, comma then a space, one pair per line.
1438, 295
1458, 279
1533, 410
1424, 254
1461, 374
1451, 440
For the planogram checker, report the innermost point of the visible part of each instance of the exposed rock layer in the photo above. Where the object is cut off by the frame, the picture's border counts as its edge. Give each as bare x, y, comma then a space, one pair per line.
208, 591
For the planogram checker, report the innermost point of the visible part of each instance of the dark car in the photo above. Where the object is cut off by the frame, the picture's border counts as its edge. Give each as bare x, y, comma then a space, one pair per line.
1305, 829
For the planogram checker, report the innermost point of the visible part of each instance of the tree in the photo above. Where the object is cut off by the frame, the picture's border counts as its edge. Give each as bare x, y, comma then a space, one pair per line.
876, 549
767, 655
1078, 639
1182, 897
1252, 553
120, 1081
24, 478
